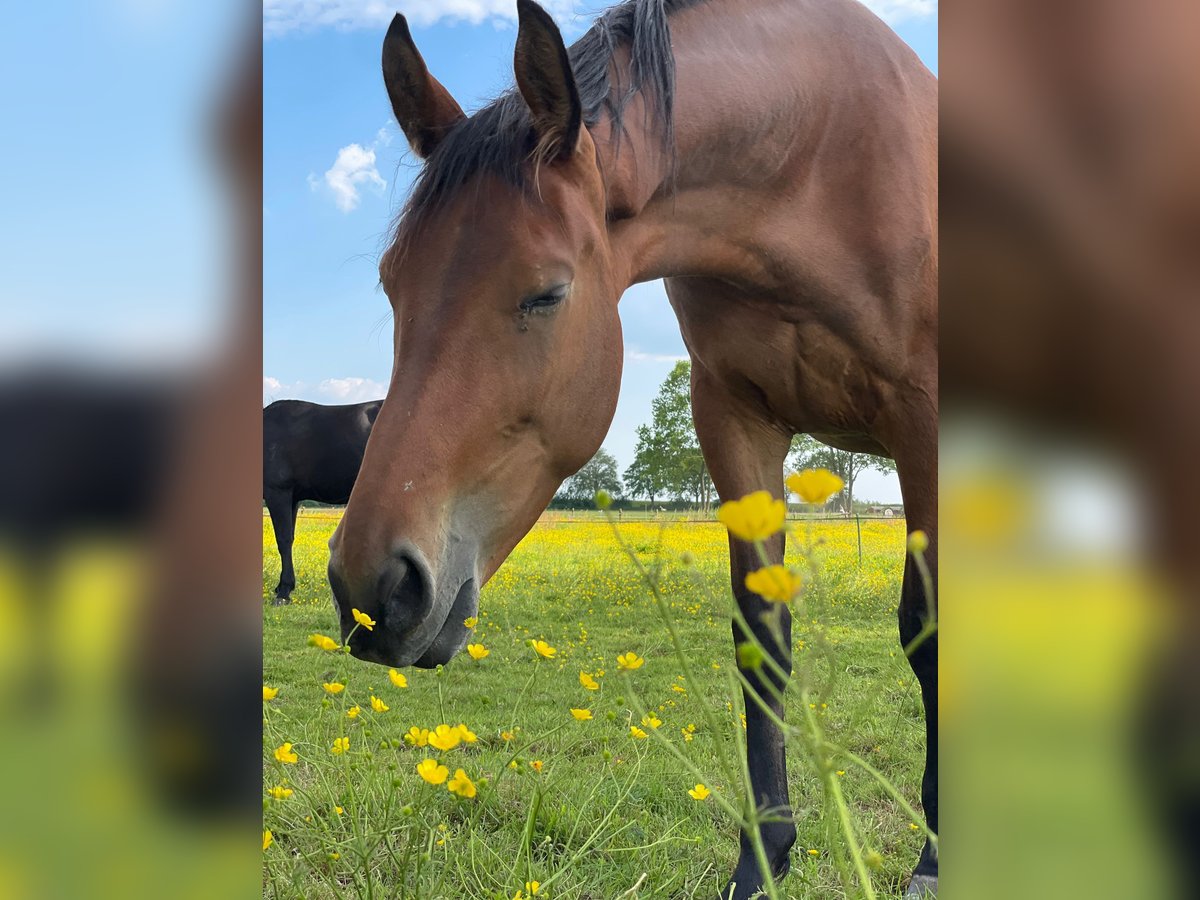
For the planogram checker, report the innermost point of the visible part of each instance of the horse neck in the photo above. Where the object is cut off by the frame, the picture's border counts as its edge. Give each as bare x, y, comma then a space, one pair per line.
682, 210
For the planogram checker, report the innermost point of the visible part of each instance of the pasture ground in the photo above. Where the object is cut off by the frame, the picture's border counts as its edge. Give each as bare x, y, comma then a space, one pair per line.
605, 808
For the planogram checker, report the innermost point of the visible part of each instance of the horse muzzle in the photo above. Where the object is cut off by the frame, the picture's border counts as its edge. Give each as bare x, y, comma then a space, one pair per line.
418, 612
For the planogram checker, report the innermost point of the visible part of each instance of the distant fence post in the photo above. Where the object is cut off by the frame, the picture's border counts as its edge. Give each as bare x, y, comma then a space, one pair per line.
858, 524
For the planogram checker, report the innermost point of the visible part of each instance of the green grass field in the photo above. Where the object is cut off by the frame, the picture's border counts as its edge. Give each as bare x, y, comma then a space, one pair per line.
582, 807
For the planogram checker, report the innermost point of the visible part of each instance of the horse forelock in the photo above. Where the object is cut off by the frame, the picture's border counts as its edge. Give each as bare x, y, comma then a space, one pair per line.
499, 139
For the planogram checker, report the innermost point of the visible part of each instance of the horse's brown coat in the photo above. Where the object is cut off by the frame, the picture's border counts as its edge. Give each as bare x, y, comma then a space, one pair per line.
795, 223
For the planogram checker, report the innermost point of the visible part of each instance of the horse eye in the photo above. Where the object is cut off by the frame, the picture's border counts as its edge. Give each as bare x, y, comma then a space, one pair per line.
547, 300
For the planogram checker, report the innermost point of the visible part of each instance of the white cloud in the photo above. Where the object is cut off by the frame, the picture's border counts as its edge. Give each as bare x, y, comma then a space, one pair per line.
281, 17
893, 11
351, 390
354, 166
635, 355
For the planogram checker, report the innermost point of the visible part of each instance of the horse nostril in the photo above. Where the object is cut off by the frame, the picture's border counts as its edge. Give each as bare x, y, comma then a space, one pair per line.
409, 597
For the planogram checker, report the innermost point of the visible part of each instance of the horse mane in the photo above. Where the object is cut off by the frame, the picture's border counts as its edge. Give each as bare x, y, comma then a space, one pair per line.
499, 138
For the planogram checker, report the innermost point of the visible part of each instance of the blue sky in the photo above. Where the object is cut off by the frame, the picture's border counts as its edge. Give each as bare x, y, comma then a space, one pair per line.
336, 168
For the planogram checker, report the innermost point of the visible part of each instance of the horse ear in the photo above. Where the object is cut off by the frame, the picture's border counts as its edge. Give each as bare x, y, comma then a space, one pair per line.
546, 81
424, 109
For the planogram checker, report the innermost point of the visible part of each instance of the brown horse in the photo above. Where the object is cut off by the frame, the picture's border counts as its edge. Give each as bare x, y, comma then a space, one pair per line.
775, 161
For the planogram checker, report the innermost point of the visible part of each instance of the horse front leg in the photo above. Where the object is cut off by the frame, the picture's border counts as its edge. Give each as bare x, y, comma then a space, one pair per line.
745, 452
918, 606
283, 510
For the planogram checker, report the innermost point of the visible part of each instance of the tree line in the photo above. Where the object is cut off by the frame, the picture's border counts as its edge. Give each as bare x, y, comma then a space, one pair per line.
668, 467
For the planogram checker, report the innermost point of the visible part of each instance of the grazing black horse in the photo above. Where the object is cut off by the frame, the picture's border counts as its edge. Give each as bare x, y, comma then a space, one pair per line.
310, 452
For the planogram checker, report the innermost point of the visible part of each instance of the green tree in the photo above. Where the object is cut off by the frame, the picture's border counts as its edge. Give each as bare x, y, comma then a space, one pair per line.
809, 453
668, 458
598, 474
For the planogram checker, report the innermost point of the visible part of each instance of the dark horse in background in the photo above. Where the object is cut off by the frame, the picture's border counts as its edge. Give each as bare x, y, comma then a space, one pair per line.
775, 161
310, 452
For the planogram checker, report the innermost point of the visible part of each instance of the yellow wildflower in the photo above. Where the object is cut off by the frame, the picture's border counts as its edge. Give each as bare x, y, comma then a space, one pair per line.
432, 771
338, 810
815, 485
629, 661
636, 732
397, 679
323, 642
532, 887
507, 736
543, 649
467, 735
444, 737
333, 687
363, 619
588, 681
699, 792
340, 746
918, 542
814, 852
650, 720
581, 714
779, 584
284, 754
378, 705
536, 765
269, 693
471, 621
755, 517
417, 737
279, 792
477, 651
353, 712
462, 785
268, 838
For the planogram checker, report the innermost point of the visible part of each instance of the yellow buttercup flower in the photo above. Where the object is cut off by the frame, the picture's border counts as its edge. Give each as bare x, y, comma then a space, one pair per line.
533, 887
444, 737
268, 838
363, 619
815, 485
636, 732
477, 651
340, 746
433, 771
471, 621
269, 693
543, 649
507, 736
284, 754
338, 810
536, 765
378, 705
699, 792
333, 687
650, 720
629, 661
353, 712
323, 642
588, 681
397, 679
918, 542
279, 792
417, 737
581, 714
755, 517
779, 584
462, 785
467, 735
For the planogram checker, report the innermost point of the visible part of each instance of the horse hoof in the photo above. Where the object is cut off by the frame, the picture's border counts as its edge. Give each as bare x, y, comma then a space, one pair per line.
922, 887
281, 601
